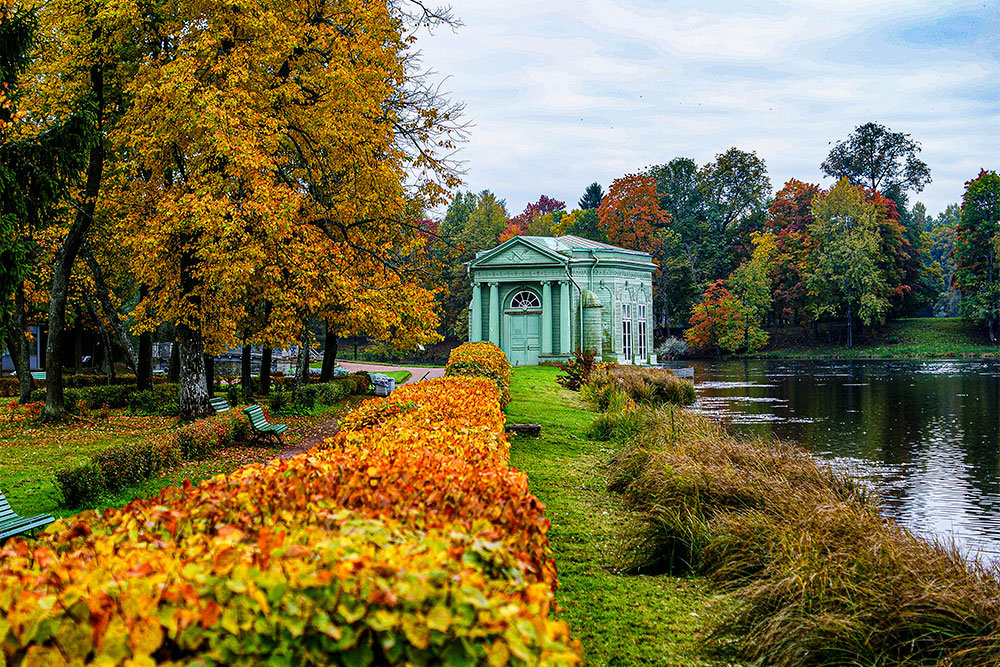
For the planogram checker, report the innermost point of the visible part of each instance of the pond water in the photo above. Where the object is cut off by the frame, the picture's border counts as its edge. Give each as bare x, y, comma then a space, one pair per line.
925, 434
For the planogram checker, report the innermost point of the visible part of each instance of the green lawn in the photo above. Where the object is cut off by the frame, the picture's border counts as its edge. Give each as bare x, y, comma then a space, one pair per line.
928, 337
621, 619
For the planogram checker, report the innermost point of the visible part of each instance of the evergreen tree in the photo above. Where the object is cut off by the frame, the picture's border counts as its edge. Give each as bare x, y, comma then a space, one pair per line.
592, 197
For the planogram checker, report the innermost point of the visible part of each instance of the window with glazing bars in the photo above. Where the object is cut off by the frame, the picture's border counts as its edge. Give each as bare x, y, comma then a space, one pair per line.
627, 330
641, 312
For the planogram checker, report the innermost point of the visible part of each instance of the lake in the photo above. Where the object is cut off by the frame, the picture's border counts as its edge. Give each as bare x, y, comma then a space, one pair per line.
924, 433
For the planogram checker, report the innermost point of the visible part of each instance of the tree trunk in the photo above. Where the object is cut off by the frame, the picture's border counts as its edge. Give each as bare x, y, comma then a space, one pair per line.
193, 395
20, 355
105, 338
265, 370
78, 343
55, 408
174, 367
144, 362
850, 326
265, 358
104, 298
302, 367
329, 354
246, 371
210, 375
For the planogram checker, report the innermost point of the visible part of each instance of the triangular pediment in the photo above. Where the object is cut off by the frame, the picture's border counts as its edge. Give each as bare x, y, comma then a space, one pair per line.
517, 252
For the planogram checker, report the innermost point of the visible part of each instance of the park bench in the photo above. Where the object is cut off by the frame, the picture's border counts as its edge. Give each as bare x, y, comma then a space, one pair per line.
261, 427
11, 524
384, 385
220, 404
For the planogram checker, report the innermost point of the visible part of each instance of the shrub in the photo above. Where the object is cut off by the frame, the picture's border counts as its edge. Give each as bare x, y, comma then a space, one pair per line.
142, 402
481, 360
578, 369
672, 348
81, 485
279, 400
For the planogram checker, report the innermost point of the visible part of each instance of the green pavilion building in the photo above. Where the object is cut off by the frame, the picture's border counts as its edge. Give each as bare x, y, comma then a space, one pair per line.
539, 298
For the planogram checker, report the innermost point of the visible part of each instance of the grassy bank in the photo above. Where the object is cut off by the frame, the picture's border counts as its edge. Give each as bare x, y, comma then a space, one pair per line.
933, 338
813, 574
621, 619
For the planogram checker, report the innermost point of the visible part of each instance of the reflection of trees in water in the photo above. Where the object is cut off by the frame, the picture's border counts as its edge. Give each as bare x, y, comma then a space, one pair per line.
935, 424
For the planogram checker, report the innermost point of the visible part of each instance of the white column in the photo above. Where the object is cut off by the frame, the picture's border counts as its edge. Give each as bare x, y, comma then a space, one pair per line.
494, 314
476, 316
564, 337
546, 317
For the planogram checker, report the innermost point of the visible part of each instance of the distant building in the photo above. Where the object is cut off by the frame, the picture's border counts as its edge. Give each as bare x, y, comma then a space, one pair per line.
34, 352
539, 298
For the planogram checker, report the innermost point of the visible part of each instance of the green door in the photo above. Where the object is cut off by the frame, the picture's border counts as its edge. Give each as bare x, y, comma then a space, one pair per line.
524, 338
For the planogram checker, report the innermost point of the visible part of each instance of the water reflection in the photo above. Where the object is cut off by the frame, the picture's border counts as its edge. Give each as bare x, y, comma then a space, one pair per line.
924, 433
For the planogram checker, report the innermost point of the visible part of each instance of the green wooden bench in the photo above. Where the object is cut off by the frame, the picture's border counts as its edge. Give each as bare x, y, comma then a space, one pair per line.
12, 524
220, 404
263, 428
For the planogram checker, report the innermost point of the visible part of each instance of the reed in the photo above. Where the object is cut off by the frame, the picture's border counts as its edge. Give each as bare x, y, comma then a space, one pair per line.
812, 574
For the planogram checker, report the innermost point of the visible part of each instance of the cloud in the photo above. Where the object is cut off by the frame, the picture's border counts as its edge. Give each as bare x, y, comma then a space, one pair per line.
564, 93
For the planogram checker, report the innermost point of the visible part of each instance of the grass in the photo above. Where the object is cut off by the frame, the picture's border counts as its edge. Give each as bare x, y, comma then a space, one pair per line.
620, 619
928, 337
814, 574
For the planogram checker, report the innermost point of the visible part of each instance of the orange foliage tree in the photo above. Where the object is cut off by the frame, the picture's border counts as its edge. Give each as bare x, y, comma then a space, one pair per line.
268, 152
630, 213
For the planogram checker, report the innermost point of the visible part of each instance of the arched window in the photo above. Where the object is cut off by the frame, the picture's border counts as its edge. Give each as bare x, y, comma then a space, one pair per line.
525, 300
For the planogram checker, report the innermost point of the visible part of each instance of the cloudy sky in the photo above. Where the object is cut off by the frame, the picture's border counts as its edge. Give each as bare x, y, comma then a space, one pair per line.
562, 93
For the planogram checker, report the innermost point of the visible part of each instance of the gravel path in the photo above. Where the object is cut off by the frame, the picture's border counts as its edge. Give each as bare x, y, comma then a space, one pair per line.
418, 372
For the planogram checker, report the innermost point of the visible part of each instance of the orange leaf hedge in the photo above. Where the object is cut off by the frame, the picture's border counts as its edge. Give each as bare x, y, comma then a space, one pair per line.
482, 360
404, 539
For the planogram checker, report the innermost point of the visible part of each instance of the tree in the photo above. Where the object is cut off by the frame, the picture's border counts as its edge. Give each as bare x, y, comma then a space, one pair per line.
582, 222
977, 252
630, 214
717, 322
877, 158
592, 197
38, 165
471, 224
750, 285
790, 218
845, 269
735, 188
536, 220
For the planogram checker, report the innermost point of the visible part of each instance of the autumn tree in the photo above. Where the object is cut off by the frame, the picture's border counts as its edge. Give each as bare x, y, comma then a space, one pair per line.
790, 219
718, 323
537, 219
38, 165
735, 188
630, 214
751, 287
845, 272
582, 222
977, 252
879, 159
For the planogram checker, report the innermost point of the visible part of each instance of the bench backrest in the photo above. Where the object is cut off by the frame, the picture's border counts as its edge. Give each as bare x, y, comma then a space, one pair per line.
257, 418
6, 512
220, 404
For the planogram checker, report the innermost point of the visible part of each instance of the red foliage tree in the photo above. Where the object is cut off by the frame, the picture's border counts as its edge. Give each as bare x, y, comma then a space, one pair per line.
522, 224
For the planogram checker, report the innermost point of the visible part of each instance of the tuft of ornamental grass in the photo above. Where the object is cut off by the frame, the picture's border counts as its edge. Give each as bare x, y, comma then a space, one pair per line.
812, 574
645, 385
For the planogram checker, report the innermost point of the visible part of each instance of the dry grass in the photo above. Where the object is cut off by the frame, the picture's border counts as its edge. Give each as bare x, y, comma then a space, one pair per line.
643, 384
814, 575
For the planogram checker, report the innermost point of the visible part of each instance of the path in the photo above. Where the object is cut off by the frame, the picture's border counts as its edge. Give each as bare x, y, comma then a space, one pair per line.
417, 372
312, 437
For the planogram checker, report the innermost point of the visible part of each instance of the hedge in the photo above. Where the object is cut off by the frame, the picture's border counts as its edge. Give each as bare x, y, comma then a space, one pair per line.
9, 386
116, 467
481, 360
406, 538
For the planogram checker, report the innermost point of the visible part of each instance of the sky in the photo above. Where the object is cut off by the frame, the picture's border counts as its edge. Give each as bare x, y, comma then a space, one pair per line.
562, 93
